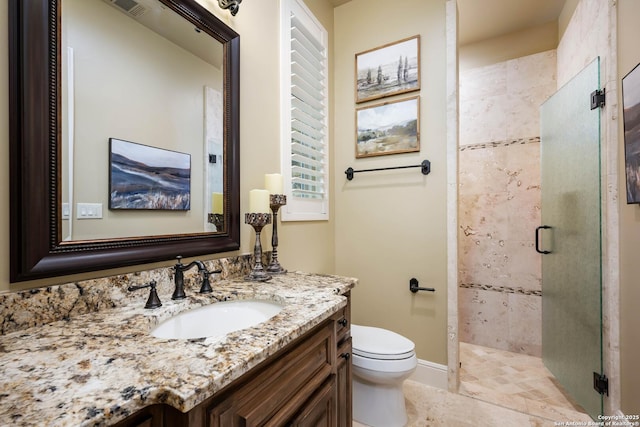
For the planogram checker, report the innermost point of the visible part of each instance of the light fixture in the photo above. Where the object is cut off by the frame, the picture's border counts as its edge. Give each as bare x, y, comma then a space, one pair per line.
232, 5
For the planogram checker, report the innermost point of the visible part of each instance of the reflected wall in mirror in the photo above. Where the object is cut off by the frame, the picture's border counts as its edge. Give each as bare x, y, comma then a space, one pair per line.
165, 74
168, 74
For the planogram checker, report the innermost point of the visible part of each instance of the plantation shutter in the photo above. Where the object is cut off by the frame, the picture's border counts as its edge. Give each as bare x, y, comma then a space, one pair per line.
305, 145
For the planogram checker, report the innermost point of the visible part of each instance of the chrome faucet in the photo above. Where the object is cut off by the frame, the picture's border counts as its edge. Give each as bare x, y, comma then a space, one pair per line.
179, 269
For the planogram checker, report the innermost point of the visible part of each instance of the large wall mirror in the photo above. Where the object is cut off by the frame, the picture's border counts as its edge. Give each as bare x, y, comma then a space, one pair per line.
124, 134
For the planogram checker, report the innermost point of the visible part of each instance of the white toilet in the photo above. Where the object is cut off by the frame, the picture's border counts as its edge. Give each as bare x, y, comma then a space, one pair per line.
382, 360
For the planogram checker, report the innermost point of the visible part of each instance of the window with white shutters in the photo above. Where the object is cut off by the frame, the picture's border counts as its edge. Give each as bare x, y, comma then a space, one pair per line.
305, 154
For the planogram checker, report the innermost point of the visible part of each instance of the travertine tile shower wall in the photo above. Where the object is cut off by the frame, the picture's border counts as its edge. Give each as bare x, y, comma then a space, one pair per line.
499, 202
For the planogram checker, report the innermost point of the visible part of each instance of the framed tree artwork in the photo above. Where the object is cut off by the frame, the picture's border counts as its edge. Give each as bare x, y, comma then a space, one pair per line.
388, 70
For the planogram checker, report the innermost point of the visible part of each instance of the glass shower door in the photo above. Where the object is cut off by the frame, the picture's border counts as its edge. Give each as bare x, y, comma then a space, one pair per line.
571, 271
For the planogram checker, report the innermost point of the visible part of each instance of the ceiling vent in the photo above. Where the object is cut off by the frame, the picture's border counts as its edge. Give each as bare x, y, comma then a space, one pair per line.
130, 7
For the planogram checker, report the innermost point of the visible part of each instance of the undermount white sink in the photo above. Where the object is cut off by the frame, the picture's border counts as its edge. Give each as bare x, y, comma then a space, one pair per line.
217, 319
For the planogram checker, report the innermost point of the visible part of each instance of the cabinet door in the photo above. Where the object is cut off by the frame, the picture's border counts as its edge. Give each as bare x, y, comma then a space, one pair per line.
223, 414
320, 410
344, 384
274, 394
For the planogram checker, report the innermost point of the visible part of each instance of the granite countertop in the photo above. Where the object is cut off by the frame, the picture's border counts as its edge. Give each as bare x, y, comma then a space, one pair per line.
98, 368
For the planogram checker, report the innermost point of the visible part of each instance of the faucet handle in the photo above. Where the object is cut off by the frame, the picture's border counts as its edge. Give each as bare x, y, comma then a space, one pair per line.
206, 285
179, 258
153, 301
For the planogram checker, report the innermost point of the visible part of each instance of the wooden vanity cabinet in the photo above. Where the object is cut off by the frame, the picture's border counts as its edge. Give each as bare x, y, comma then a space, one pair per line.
308, 383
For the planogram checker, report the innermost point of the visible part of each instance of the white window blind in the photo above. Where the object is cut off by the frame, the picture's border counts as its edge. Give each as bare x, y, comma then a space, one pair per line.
304, 113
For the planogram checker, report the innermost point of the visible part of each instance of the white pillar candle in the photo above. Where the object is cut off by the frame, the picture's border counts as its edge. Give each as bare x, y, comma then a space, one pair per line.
259, 201
217, 203
273, 183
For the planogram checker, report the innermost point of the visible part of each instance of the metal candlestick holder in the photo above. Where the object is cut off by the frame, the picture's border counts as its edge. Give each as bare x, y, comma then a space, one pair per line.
217, 220
258, 221
276, 202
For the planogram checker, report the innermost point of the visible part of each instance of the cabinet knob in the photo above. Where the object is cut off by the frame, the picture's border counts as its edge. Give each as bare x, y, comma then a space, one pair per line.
346, 356
342, 322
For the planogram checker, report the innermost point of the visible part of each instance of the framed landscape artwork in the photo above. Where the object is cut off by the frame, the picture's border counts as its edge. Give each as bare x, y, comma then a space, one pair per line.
389, 128
631, 119
388, 70
148, 178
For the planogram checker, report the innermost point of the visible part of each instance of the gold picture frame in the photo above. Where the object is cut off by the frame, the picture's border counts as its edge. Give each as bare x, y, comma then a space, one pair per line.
388, 70
388, 128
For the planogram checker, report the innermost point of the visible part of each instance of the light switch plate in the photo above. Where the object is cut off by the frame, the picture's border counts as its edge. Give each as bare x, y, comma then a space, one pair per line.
89, 211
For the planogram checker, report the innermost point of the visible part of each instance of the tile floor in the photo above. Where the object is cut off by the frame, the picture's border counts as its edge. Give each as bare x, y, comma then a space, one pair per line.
487, 400
434, 407
515, 381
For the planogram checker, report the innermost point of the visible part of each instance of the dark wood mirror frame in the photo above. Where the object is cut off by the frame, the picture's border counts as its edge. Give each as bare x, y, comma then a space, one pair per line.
34, 118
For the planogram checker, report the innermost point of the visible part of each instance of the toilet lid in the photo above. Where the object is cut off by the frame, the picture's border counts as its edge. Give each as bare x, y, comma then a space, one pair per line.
377, 343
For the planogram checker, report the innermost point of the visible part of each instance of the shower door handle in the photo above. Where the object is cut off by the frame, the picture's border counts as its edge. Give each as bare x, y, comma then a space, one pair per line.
542, 227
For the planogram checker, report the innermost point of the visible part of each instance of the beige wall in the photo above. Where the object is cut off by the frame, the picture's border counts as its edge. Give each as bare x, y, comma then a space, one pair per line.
565, 15
303, 246
628, 57
391, 226
510, 46
519, 43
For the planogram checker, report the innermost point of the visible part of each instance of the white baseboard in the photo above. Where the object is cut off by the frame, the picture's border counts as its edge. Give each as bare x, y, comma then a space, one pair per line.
431, 374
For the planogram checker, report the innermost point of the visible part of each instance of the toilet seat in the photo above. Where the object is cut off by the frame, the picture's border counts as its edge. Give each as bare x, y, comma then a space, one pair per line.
388, 366
380, 344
